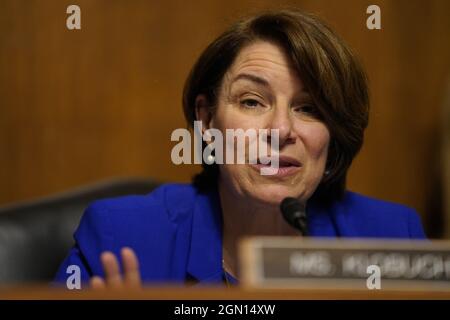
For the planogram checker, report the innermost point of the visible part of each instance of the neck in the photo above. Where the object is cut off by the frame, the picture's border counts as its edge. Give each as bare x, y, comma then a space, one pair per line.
243, 218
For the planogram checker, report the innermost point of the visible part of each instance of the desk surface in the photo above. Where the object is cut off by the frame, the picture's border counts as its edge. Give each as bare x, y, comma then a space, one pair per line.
215, 293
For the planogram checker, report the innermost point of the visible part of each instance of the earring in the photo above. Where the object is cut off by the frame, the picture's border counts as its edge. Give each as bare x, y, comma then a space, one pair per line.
327, 172
210, 159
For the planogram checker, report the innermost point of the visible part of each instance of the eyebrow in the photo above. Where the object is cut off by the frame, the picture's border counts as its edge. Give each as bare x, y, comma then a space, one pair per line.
252, 78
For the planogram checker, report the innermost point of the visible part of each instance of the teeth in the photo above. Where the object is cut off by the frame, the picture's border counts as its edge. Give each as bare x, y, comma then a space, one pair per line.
265, 160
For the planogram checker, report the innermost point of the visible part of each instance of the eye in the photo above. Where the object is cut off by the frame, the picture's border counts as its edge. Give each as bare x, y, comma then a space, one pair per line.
308, 109
250, 103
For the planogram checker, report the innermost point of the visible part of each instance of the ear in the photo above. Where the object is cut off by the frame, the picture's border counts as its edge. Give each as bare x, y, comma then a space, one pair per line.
202, 111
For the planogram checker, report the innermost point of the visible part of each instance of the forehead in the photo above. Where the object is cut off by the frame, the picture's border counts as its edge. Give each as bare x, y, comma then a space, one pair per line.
265, 59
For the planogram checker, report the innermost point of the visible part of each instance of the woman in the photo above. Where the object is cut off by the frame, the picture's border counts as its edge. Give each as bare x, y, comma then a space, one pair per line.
281, 70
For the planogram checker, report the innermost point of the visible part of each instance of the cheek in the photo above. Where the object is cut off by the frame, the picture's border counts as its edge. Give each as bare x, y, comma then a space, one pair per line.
316, 139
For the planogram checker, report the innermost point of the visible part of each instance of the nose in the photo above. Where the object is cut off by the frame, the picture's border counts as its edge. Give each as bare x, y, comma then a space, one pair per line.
281, 119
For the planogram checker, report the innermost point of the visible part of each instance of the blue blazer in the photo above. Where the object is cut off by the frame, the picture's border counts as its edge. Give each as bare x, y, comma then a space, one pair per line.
176, 231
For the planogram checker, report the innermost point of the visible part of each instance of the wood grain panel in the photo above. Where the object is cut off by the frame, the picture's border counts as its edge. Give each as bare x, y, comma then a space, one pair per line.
80, 106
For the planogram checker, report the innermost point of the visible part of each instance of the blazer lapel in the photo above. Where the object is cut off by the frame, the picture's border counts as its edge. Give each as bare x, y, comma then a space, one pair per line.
321, 221
205, 256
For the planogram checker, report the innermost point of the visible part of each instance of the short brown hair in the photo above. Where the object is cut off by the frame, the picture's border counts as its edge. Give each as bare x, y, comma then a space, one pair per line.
330, 71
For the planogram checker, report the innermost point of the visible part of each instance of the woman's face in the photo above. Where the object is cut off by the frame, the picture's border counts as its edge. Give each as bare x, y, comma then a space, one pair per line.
261, 90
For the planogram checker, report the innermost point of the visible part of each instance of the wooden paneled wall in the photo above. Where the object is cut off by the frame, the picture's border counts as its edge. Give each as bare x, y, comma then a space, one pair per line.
101, 102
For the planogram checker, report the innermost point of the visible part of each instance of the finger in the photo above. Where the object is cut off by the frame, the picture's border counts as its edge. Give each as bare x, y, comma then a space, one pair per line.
112, 271
97, 283
132, 276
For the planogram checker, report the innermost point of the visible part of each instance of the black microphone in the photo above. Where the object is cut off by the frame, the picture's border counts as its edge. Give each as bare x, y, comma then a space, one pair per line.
295, 214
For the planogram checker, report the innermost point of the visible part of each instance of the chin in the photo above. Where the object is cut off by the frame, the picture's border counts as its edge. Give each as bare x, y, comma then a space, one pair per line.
272, 194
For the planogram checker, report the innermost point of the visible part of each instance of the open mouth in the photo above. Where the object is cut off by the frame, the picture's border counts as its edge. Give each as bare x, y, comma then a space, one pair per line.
283, 161
286, 166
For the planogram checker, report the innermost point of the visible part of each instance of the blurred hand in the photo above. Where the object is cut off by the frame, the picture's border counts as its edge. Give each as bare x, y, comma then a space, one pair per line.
131, 278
